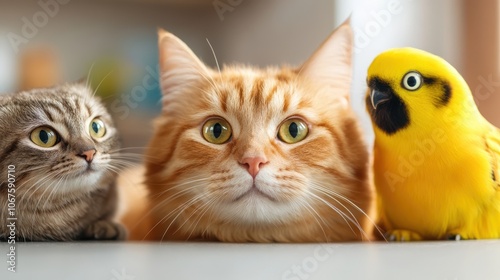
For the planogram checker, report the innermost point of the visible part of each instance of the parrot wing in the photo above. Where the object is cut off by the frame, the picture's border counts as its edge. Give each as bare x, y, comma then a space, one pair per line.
492, 141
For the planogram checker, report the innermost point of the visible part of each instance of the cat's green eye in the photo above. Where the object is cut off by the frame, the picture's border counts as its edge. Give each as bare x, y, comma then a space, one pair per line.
44, 137
97, 128
216, 131
293, 131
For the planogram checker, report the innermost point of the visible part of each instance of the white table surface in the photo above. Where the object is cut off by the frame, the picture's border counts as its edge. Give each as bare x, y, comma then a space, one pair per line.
127, 261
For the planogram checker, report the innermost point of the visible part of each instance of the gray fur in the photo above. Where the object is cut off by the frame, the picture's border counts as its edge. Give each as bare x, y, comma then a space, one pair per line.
59, 196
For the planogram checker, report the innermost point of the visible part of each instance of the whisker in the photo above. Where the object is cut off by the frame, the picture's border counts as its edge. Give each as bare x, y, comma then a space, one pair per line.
43, 180
99, 85
51, 187
336, 200
213, 52
125, 155
207, 207
314, 213
354, 220
178, 185
122, 164
137, 160
187, 219
87, 83
55, 189
167, 216
338, 211
130, 148
161, 204
379, 230
188, 204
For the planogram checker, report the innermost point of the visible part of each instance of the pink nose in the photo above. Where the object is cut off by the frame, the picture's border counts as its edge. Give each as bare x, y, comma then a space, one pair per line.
253, 164
88, 155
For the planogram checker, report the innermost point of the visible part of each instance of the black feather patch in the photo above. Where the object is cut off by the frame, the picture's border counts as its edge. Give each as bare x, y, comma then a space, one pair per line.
429, 80
446, 95
390, 116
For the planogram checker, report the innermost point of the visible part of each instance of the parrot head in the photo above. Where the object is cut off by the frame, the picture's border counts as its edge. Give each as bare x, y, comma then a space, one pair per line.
412, 89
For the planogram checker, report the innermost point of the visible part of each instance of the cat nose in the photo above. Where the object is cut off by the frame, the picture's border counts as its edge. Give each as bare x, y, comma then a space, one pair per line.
88, 155
253, 164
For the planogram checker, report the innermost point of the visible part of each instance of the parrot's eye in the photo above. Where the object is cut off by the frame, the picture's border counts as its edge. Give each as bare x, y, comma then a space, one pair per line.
412, 81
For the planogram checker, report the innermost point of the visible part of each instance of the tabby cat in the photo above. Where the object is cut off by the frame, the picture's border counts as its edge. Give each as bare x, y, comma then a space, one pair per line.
59, 145
258, 155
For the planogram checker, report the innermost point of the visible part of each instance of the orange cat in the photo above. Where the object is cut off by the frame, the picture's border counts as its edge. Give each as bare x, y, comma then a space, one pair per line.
258, 155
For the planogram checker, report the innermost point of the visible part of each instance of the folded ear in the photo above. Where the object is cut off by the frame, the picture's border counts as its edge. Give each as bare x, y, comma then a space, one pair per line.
331, 64
179, 66
81, 81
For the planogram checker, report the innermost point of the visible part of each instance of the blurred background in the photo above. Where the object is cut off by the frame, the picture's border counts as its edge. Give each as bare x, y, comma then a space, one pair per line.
114, 43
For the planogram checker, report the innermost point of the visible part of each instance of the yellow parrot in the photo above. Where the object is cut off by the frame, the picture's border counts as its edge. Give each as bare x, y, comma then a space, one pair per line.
436, 158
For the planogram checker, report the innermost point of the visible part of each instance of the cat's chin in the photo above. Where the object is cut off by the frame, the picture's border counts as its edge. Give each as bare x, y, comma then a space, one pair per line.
257, 208
254, 193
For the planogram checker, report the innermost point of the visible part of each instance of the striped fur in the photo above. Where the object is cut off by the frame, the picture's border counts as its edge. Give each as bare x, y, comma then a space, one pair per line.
315, 190
57, 196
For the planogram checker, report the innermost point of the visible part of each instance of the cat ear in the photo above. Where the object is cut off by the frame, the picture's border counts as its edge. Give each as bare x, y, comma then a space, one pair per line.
81, 81
84, 82
331, 64
179, 66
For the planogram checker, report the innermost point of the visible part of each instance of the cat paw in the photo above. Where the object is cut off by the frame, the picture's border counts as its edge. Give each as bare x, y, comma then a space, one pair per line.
402, 236
105, 230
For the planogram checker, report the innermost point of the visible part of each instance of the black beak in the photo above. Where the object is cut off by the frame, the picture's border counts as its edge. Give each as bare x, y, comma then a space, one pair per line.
377, 97
391, 116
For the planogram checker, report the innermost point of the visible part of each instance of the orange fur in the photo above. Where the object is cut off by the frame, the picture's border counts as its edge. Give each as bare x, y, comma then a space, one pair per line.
194, 184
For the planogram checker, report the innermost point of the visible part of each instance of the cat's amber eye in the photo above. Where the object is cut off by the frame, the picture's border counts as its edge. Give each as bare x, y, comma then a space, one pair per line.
44, 137
97, 128
293, 130
216, 131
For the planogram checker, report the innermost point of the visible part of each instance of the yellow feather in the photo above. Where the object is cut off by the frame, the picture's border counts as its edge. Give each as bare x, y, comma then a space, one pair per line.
437, 174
